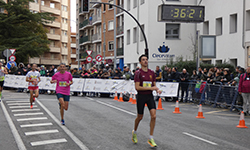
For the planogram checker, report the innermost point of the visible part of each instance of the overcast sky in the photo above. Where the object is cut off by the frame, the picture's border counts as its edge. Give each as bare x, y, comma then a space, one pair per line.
73, 15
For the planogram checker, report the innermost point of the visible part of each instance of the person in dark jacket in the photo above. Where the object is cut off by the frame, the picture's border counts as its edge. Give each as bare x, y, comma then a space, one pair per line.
175, 75
226, 77
117, 74
165, 74
12, 69
158, 74
184, 79
21, 69
194, 76
244, 90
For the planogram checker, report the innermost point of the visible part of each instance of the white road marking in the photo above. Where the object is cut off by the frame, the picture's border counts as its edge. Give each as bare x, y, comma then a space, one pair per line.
40, 132
22, 106
18, 104
28, 114
21, 110
204, 140
13, 129
30, 119
48, 142
16, 101
114, 107
35, 125
65, 129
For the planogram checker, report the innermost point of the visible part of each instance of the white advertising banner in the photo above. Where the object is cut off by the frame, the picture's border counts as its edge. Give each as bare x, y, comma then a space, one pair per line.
77, 85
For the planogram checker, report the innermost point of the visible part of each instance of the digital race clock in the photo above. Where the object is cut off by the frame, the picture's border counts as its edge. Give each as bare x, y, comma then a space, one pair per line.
181, 13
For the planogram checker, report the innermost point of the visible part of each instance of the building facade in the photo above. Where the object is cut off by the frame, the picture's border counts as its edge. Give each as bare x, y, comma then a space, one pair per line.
231, 26
95, 32
58, 31
73, 61
176, 36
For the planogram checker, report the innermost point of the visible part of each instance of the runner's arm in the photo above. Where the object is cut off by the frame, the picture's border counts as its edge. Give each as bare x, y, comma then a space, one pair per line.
53, 81
5, 71
28, 79
140, 88
70, 83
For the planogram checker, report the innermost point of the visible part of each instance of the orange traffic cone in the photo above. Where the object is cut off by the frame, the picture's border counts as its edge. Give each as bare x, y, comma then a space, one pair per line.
177, 109
200, 113
134, 100
242, 121
146, 105
121, 98
130, 98
116, 97
160, 105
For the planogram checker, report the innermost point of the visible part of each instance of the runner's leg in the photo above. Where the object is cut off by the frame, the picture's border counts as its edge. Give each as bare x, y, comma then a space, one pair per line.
66, 105
36, 93
152, 121
137, 121
31, 97
61, 101
1, 89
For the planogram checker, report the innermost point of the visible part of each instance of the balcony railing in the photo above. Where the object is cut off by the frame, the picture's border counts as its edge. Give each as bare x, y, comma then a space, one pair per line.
119, 51
96, 18
84, 23
118, 10
84, 39
120, 30
96, 37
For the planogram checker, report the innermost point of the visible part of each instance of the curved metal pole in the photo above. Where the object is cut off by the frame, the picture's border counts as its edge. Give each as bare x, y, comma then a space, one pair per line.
146, 42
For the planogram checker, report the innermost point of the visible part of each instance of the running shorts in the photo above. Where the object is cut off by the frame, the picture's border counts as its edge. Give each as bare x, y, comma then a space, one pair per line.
143, 99
33, 88
65, 97
1, 83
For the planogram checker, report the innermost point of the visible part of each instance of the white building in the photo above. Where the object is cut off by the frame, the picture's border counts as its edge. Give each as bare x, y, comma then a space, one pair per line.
229, 20
177, 36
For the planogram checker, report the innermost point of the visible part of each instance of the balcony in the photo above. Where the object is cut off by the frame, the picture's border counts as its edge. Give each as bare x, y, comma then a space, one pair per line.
53, 36
84, 23
119, 30
119, 51
73, 55
35, 60
55, 49
96, 19
58, 1
96, 38
51, 10
53, 24
118, 10
73, 45
64, 51
96, 5
34, 6
65, 61
84, 39
65, 14
64, 38
50, 61
64, 26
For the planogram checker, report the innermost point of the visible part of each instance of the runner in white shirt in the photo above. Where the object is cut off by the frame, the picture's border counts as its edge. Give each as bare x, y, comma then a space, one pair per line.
33, 77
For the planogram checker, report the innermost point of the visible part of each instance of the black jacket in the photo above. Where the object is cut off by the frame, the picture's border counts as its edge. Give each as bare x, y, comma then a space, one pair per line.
184, 75
175, 76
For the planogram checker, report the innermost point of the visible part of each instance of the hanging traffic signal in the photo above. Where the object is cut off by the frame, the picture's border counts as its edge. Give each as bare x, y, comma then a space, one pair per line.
85, 6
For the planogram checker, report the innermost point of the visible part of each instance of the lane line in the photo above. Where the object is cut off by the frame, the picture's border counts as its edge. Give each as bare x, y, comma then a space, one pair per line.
204, 140
114, 107
22, 106
9, 101
211, 112
21, 110
40, 132
35, 125
30, 119
13, 129
28, 114
18, 104
65, 129
38, 143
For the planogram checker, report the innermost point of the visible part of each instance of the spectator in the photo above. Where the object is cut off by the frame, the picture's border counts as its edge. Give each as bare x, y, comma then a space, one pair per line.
42, 71
217, 78
13, 69
50, 72
175, 75
100, 74
93, 72
158, 74
184, 78
117, 74
107, 67
27, 69
75, 73
101, 65
20, 70
226, 77
194, 75
199, 73
124, 70
105, 74
127, 74
244, 90
165, 74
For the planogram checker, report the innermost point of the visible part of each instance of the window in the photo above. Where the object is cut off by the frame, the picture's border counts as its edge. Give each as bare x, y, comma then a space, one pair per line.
52, 56
142, 2
111, 2
219, 26
64, 32
52, 5
248, 20
104, 7
52, 43
52, 30
206, 27
36, 1
98, 49
64, 45
172, 31
64, 8
111, 45
135, 3
233, 23
42, 3
142, 37
1, 10
104, 27
76, 6
64, 20
128, 5
135, 35
128, 37
111, 25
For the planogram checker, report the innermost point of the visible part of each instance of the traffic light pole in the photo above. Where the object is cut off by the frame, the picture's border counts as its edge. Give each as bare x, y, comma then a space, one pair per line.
143, 33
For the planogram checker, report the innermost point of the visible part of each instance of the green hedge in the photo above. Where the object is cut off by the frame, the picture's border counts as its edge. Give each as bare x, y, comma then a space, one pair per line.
191, 65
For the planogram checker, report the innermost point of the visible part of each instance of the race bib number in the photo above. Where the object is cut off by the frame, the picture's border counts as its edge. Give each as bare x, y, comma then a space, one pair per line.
62, 83
147, 84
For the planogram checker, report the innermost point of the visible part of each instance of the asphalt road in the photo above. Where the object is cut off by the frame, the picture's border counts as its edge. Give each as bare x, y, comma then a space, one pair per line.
102, 123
